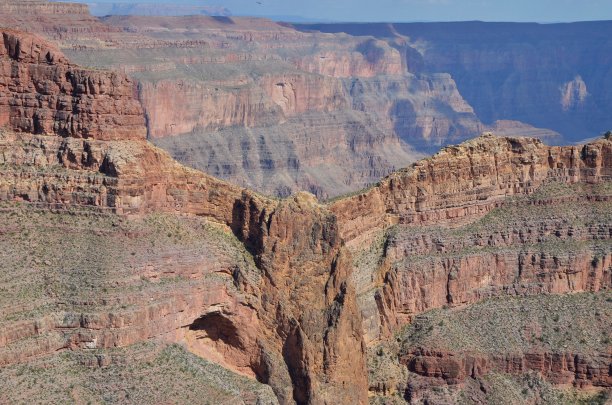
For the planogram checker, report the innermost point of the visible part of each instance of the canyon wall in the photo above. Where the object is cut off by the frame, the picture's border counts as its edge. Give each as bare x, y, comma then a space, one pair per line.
552, 76
253, 79
492, 218
43, 94
301, 338
529, 348
63, 22
454, 188
257, 81
464, 182
45, 7
278, 290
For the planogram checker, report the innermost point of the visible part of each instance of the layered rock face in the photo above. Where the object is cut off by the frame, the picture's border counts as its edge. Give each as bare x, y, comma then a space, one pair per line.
552, 76
289, 292
295, 327
254, 79
43, 94
206, 107
64, 22
491, 217
565, 368
45, 7
289, 319
464, 182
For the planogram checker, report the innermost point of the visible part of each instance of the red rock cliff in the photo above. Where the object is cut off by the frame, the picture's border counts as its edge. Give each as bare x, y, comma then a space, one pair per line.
44, 94
299, 331
466, 181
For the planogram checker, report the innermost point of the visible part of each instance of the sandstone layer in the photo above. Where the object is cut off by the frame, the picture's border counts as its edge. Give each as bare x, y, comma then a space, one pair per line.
464, 182
43, 94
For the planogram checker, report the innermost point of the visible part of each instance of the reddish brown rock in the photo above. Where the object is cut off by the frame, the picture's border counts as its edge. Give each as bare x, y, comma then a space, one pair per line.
560, 368
464, 182
300, 332
296, 326
43, 94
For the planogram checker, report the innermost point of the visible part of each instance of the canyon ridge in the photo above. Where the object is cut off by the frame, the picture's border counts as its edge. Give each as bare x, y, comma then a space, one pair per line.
479, 274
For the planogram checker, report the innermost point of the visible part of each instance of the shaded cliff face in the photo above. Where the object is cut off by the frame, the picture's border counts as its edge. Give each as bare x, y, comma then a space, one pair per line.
552, 76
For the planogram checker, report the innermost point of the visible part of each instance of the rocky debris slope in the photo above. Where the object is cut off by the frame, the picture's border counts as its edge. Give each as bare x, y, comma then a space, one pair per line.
97, 285
552, 340
142, 373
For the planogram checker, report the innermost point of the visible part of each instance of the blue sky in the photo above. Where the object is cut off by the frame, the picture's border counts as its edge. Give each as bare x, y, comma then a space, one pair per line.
414, 10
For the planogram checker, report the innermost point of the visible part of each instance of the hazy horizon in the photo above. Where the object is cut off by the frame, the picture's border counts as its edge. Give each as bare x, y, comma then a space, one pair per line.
542, 11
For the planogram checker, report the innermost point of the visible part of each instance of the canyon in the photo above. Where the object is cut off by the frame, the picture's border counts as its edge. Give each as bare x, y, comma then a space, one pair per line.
118, 259
275, 107
552, 76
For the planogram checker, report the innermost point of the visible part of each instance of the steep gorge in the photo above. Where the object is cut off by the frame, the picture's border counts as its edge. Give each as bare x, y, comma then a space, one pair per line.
282, 337
272, 289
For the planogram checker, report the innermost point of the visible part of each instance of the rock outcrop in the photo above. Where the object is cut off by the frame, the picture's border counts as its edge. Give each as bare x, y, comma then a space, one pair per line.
560, 368
307, 319
464, 182
43, 94
44, 7
574, 94
64, 22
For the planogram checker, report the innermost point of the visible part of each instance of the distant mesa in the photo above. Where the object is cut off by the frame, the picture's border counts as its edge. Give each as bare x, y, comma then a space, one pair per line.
156, 9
